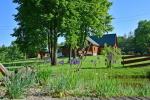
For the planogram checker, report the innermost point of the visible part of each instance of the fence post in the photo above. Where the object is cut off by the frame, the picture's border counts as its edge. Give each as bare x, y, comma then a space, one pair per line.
123, 61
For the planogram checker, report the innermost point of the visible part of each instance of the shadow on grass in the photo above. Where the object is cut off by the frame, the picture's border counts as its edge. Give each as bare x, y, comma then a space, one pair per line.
94, 68
138, 65
21, 64
104, 67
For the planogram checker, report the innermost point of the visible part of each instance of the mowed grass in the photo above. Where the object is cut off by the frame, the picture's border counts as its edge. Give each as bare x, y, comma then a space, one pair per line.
95, 79
22, 62
99, 82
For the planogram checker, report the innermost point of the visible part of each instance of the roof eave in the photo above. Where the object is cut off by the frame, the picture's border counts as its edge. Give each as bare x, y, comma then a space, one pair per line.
92, 41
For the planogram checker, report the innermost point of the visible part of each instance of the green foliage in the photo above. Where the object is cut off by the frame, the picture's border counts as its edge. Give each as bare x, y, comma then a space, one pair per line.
137, 42
86, 17
111, 54
10, 53
142, 37
29, 42
43, 75
129, 45
41, 22
17, 85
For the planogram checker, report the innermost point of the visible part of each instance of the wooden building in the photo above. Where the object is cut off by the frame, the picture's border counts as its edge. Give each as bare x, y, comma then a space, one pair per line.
96, 44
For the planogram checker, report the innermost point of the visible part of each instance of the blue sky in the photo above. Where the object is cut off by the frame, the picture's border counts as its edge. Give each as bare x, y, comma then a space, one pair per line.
127, 13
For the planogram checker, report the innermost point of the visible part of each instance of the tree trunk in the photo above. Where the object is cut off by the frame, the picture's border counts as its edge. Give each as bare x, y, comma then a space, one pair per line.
54, 49
51, 54
54, 53
49, 44
70, 54
74, 53
41, 55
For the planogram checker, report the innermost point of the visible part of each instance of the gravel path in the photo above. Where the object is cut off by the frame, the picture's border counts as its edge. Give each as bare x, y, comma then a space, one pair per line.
115, 98
33, 91
84, 98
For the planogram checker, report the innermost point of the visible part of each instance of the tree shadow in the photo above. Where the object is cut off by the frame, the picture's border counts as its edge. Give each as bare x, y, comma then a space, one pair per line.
94, 68
138, 65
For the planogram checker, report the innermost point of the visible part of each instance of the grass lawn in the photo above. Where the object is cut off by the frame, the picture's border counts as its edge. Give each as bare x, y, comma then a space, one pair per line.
95, 79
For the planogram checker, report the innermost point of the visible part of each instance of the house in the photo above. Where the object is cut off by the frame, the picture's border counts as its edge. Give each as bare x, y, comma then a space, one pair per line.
97, 43
42, 54
95, 46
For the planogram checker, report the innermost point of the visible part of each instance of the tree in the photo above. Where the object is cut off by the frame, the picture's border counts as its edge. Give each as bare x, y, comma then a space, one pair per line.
10, 53
30, 36
121, 42
94, 18
142, 37
54, 18
30, 43
127, 44
85, 18
3, 53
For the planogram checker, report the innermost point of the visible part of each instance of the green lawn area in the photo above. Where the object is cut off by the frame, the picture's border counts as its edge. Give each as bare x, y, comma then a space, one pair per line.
94, 80
100, 82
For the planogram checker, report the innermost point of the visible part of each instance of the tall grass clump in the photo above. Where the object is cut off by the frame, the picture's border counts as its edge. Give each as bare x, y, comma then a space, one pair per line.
61, 85
134, 88
81, 84
43, 75
106, 87
17, 85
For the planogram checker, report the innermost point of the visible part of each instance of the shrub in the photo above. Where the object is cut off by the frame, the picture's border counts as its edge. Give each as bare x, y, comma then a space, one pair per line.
10, 53
111, 54
16, 85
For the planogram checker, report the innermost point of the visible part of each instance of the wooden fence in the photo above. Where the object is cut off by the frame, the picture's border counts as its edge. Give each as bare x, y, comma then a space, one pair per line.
136, 60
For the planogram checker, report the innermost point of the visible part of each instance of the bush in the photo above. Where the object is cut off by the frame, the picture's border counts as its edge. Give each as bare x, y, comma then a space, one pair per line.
112, 55
10, 53
16, 85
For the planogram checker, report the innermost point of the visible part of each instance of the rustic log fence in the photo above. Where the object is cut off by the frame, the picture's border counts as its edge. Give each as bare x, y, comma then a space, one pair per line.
136, 60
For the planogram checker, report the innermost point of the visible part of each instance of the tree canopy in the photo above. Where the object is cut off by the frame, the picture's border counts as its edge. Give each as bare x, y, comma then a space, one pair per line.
41, 22
10, 53
142, 36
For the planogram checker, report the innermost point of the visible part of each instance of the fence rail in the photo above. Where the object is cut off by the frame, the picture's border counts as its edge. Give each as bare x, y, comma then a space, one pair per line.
135, 59
135, 56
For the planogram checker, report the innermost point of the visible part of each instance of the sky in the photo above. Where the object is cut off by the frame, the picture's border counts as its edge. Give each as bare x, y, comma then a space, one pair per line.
126, 14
